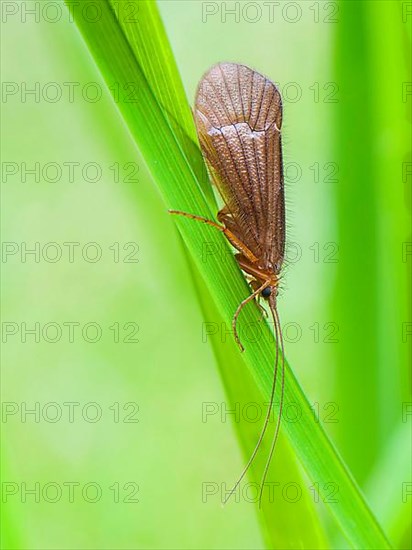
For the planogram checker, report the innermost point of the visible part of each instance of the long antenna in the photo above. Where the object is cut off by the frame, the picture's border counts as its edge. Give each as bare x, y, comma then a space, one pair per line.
279, 338
265, 425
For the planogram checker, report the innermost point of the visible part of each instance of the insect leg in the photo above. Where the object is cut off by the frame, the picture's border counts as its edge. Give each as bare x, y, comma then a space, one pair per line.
241, 305
237, 243
234, 241
262, 309
255, 285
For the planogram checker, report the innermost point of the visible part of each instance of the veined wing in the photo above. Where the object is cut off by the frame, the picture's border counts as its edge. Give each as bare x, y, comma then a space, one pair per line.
238, 115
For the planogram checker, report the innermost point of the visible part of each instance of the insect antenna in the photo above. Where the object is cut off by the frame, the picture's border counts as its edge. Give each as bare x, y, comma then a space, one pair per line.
279, 340
265, 425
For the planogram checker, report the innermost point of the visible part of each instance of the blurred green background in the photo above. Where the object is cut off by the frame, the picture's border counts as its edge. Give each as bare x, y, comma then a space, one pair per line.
343, 71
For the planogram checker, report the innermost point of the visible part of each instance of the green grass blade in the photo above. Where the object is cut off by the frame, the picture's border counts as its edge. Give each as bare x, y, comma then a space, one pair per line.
155, 58
355, 229
391, 477
373, 227
168, 162
242, 393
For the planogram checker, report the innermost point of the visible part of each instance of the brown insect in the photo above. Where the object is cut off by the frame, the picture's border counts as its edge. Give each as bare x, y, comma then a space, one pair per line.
238, 115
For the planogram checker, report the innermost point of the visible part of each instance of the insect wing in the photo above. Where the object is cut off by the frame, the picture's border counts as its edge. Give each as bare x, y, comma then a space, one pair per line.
238, 115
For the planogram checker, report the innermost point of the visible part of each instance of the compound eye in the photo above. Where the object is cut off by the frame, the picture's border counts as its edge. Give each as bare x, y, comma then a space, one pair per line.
266, 292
